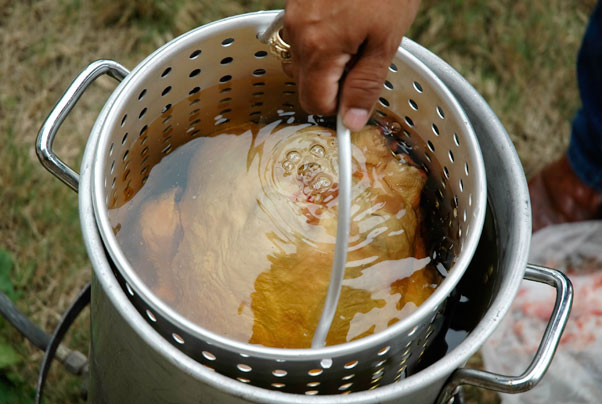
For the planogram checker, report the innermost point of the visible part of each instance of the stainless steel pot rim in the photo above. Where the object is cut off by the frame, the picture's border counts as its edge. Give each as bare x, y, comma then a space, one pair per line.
426, 310
520, 226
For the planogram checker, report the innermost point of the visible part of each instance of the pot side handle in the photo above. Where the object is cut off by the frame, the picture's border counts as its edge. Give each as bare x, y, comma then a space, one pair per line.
60, 111
544, 355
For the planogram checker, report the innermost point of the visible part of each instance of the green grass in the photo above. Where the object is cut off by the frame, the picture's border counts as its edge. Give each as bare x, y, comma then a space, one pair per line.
519, 55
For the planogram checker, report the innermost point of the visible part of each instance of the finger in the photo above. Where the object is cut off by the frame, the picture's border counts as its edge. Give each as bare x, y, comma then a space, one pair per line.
290, 69
318, 81
363, 84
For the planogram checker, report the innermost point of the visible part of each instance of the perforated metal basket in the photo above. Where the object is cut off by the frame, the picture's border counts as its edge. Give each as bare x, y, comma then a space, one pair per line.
221, 73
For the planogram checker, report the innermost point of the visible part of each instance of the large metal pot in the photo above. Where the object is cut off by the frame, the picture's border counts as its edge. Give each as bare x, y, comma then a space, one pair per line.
132, 362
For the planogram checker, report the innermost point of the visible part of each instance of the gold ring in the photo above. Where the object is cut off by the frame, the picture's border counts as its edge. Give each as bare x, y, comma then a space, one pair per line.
279, 48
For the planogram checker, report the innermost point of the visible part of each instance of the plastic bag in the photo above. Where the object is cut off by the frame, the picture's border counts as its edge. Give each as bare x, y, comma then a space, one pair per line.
575, 375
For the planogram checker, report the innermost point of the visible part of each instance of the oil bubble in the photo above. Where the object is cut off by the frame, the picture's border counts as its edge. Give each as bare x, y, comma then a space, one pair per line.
395, 127
317, 151
288, 165
321, 182
293, 156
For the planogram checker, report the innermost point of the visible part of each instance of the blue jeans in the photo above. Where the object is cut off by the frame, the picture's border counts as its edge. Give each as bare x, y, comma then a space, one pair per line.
585, 148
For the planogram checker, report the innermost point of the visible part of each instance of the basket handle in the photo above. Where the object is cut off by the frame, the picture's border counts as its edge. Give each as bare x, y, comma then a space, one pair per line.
544, 355
60, 111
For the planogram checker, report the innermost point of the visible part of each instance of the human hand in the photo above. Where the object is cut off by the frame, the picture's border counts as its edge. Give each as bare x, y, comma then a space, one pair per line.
357, 38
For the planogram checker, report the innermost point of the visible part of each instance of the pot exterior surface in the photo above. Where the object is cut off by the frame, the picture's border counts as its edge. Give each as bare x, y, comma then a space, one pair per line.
131, 362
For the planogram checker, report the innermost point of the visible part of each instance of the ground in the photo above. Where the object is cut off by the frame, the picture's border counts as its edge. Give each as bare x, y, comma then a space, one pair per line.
519, 55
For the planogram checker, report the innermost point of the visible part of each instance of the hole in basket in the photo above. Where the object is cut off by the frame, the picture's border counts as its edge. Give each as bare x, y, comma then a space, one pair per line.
412, 331
418, 86
225, 90
225, 79
142, 94
125, 155
435, 129
311, 392
227, 41
125, 137
278, 385
461, 185
142, 113
279, 372
313, 384
413, 104
111, 149
260, 54
243, 380
151, 316
430, 145
259, 84
166, 72
123, 120
393, 67
209, 356
428, 157
194, 73
244, 368
450, 155
446, 172
351, 365
384, 102
348, 377
258, 72
195, 54
440, 112
194, 91
326, 363
380, 363
112, 166
469, 199
166, 108
226, 60
315, 372
466, 168
225, 111
384, 350
456, 139
464, 215
388, 85
177, 338
345, 386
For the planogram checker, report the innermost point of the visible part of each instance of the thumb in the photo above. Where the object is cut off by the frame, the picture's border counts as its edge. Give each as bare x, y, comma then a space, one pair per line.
362, 86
